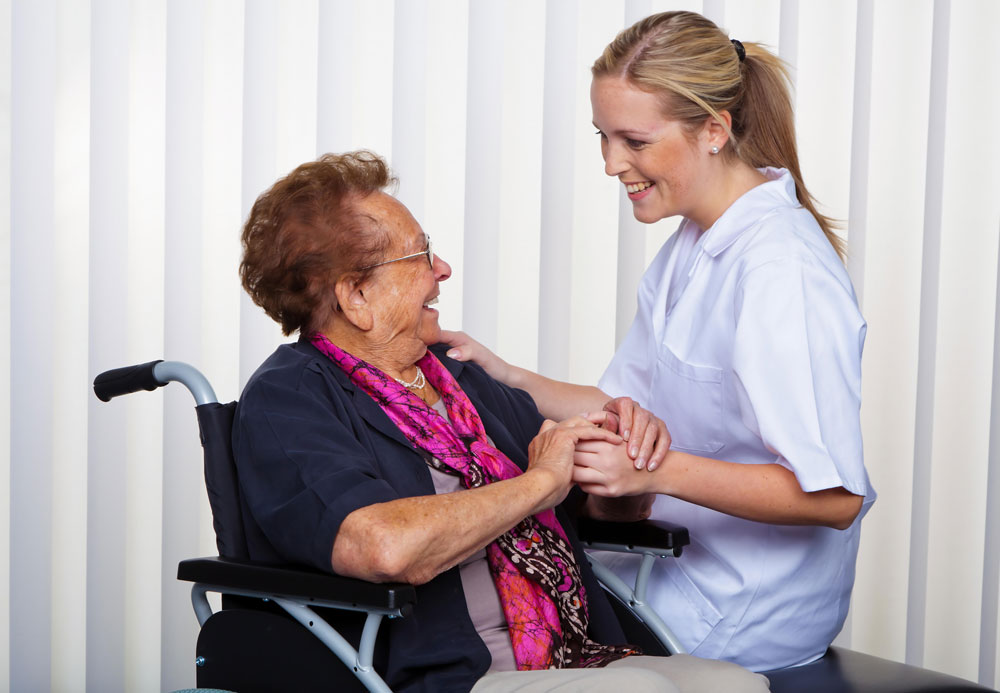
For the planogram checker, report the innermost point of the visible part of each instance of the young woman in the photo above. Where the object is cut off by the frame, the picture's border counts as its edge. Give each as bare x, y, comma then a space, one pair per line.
747, 343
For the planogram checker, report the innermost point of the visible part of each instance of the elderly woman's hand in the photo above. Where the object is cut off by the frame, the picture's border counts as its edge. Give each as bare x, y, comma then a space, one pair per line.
465, 348
646, 436
551, 452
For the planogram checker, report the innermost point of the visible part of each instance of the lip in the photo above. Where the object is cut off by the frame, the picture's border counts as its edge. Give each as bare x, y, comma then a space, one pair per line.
641, 194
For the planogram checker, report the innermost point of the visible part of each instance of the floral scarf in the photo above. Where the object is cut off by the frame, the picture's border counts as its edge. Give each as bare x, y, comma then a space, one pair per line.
533, 566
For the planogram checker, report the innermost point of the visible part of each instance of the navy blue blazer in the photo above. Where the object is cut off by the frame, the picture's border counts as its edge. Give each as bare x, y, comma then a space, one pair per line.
310, 448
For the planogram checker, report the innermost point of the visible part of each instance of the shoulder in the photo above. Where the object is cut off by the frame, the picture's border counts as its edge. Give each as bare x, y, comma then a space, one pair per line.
295, 371
789, 238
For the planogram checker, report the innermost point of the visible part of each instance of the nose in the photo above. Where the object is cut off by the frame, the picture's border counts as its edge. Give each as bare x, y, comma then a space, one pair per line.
614, 162
442, 270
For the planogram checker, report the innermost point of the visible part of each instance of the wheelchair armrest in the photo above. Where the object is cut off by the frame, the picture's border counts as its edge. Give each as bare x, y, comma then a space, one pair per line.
297, 582
645, 536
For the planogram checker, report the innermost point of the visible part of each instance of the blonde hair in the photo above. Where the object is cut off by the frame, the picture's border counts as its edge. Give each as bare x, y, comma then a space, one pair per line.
695, 69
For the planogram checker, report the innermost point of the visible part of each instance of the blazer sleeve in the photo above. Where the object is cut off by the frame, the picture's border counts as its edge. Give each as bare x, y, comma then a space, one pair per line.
302, 468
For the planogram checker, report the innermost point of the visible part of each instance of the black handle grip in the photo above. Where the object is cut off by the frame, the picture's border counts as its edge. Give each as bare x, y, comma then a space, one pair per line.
124, 381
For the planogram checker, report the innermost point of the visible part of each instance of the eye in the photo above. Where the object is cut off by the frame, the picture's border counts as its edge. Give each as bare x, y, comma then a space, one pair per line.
603, 136
634, 144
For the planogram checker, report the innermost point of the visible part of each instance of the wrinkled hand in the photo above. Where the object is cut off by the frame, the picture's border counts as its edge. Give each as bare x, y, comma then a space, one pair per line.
646, 435
465, 348
605, 469
552, 450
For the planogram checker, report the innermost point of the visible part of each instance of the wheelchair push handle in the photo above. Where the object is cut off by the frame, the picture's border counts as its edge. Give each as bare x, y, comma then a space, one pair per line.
125, 381
149, 376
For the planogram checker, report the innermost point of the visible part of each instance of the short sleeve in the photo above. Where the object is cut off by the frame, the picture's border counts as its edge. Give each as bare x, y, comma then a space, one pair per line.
302, 471
797, 365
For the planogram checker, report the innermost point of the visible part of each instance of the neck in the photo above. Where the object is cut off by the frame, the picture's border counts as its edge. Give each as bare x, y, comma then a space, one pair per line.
733, 181
386, 357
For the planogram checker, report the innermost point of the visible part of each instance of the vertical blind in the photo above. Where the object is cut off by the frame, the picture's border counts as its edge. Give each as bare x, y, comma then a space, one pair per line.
137, 133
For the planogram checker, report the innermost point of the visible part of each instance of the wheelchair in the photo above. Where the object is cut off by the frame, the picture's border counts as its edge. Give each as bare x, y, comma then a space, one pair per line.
285, 628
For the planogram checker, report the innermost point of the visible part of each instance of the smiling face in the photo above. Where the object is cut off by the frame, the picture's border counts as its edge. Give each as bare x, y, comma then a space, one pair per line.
664, 168
400, 294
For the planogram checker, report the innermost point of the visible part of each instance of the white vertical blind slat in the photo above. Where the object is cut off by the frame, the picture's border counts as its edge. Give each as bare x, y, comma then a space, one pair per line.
916, 610
409, 104
991, 552
107, 471
334, 101
519, 226
259, 154
896, 180
558, 175
296, 97
5, 339
144, 327
631, 232
222, 213
788, 39
965, 332
857, 223
754, 20
715, 10
858, 195
594, 223
32, 348
824, 102
182, 482
445, 99
482, 172
371, 127
70, 371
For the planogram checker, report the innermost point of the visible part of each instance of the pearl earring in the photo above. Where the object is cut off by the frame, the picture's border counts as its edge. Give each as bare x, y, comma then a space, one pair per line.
715, 150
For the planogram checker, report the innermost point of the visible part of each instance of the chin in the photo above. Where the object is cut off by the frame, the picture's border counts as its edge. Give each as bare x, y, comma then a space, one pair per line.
431, 337
645, 216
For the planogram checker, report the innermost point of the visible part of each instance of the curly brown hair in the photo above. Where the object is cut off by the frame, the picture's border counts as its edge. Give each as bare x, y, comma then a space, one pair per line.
305, 233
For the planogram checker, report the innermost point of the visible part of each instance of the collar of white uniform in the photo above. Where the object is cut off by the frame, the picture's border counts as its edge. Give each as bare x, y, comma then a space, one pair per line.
751, 208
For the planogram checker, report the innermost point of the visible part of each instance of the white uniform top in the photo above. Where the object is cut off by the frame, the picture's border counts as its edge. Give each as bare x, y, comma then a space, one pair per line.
747, 343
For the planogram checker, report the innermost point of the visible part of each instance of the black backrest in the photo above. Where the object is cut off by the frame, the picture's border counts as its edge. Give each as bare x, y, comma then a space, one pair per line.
216, 424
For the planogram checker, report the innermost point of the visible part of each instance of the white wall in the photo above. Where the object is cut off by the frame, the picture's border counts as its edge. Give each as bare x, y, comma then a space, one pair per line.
135, 134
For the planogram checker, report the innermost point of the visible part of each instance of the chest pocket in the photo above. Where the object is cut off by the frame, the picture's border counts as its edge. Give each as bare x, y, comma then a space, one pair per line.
689, 399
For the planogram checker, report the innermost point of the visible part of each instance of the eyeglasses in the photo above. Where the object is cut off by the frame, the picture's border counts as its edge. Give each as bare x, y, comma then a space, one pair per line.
429, 252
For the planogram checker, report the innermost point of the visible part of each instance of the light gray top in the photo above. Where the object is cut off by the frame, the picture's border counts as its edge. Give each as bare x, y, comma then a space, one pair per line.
481, 594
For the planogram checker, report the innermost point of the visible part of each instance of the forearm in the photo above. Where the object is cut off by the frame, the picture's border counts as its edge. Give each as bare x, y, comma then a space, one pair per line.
415, 539
555, 399
761, 492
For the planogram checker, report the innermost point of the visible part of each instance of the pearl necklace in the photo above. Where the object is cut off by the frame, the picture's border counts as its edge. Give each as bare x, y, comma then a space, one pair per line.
416, 384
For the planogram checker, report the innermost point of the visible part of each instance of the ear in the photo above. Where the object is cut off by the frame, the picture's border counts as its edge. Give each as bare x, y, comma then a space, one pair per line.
353, 304
713, 133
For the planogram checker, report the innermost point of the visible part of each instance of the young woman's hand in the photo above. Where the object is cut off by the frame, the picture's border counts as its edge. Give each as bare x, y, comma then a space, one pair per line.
465, 348
552, 451
606, 470
646, 435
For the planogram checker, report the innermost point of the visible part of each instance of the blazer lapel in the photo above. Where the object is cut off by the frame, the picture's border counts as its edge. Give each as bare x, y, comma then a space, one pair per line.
376, 418
366, 407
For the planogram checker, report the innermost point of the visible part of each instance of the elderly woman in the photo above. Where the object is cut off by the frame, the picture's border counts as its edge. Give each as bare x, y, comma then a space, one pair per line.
360, 450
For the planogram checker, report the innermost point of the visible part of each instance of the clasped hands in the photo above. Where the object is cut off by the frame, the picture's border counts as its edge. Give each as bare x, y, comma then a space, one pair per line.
610, 469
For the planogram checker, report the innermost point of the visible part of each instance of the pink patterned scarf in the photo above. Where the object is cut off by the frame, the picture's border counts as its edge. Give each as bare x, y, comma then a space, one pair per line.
533, 565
